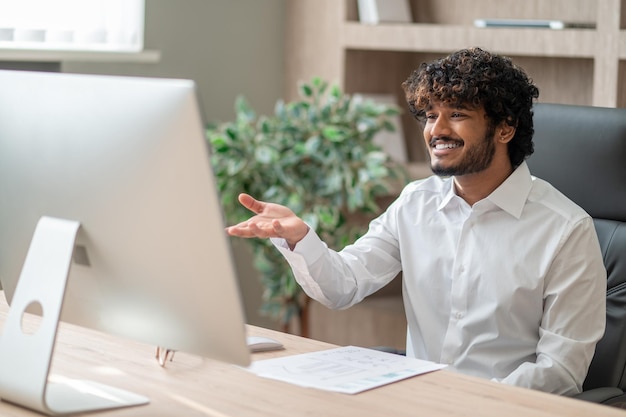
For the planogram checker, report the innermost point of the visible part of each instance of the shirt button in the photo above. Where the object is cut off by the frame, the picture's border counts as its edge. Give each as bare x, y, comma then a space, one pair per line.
458, 315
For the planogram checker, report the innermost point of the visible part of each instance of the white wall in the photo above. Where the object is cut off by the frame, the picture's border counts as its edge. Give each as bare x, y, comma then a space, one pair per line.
229, 47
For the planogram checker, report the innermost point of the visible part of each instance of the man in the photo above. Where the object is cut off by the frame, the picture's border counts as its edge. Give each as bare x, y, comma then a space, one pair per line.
502, 275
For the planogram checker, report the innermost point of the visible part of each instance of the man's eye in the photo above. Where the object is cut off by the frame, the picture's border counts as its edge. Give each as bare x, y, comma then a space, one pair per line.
431, 116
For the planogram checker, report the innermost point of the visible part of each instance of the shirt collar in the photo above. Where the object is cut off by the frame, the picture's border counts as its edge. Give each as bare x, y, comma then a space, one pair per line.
510, 196
449, 193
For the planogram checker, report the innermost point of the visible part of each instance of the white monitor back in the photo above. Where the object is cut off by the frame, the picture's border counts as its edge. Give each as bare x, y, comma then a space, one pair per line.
127, 158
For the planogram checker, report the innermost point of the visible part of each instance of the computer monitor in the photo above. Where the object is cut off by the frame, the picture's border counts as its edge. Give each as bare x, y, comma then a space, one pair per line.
106, 184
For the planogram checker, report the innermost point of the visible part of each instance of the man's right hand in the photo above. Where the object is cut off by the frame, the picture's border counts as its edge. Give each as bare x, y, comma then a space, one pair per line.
270, 220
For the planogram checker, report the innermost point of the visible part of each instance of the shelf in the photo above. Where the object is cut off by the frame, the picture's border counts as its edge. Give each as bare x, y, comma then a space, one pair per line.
32, 55
569, 66
570, 43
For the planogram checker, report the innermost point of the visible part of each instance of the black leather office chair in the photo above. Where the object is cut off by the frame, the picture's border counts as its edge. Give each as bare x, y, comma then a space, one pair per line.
582, 152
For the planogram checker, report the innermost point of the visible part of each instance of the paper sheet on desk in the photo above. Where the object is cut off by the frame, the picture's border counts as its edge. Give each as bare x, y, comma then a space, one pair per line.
348, 370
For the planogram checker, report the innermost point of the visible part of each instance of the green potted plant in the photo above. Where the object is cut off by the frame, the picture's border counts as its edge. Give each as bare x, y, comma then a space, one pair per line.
315, 155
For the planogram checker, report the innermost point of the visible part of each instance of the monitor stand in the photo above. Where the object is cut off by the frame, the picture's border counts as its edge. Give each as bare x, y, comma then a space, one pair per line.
25, 359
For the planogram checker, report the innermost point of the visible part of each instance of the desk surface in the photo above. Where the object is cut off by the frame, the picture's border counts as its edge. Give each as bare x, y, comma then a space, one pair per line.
192, 386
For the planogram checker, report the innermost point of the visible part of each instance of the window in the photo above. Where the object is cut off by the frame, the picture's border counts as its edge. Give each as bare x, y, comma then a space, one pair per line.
75, 25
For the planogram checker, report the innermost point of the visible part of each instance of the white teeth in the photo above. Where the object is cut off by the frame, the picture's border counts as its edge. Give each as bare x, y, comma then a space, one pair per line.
446, 145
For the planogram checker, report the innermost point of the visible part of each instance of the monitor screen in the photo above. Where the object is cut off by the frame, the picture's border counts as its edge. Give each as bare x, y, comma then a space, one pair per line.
125, 159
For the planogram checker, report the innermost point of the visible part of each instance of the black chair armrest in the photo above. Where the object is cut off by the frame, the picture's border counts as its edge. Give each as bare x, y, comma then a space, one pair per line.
599, 395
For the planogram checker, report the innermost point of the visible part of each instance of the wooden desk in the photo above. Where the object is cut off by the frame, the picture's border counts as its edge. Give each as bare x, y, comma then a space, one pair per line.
192, 386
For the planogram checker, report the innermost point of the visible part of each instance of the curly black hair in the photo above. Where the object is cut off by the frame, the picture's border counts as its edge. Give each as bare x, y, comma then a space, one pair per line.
476, 78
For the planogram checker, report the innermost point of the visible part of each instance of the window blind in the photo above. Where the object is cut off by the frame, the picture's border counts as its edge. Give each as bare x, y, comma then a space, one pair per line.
84, 25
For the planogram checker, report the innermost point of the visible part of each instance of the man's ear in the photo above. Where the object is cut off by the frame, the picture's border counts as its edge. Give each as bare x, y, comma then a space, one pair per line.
505, 132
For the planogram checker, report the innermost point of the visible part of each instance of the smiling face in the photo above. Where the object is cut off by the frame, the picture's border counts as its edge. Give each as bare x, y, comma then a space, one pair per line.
479, 80
460, 140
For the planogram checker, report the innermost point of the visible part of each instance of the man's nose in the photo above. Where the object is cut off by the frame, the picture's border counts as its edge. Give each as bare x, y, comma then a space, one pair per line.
440, 127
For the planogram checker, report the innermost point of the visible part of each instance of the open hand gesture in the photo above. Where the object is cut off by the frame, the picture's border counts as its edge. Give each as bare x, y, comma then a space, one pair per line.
270, 220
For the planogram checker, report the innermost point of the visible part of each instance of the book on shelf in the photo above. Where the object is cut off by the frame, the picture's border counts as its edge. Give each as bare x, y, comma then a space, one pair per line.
532, 23
384, 11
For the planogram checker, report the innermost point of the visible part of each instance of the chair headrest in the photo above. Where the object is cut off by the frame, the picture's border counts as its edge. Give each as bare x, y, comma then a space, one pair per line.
581, 150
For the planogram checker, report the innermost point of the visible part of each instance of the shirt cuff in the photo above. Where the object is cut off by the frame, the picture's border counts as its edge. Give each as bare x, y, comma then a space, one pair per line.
307, 251
311, 247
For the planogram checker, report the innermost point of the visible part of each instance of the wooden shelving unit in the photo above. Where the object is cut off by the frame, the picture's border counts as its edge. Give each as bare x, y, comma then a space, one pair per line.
571, 66
574, 66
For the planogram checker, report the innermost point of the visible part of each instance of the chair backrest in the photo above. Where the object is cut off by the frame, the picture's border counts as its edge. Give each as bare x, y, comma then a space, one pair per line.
581, 150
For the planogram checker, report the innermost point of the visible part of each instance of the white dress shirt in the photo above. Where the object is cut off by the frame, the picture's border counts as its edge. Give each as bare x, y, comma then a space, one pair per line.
512, 288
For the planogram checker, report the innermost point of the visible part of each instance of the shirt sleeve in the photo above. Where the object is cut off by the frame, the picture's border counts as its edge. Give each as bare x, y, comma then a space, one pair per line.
573, 319
339, 280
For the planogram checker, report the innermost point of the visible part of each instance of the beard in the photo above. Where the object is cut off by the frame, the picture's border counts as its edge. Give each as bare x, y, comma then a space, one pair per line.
477, 158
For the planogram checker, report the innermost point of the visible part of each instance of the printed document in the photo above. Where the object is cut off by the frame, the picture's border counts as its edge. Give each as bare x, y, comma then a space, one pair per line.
348, 370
